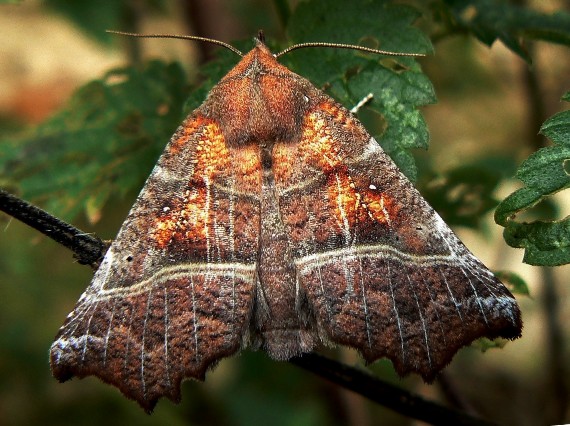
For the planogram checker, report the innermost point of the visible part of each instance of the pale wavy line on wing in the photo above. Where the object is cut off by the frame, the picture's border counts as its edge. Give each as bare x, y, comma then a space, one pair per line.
380, 251
246, 272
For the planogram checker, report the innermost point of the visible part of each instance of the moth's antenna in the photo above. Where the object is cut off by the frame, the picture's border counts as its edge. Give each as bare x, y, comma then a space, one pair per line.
345, 46
181, 37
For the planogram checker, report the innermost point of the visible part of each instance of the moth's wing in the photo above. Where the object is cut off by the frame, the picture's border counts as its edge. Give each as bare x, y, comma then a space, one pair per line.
175, 291
380, 268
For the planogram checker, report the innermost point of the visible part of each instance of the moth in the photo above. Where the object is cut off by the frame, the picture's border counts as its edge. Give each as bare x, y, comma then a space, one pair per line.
274, 221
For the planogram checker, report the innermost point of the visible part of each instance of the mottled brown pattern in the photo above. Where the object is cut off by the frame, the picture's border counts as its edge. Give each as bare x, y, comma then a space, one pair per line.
273, 220
146, 343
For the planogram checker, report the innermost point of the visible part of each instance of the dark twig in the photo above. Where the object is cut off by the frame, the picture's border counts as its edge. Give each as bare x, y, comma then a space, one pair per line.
88, 249
452, 394
383, 393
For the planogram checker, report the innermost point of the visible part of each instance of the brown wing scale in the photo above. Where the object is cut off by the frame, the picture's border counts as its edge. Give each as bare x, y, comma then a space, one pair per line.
381, 269
175, 291
273, 219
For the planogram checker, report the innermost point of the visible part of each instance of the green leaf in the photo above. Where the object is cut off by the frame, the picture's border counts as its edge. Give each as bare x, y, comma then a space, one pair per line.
104, 142
557, 127
397, 83
514, 282
485, 344
544, 173
545, 243
463, 195
491, 20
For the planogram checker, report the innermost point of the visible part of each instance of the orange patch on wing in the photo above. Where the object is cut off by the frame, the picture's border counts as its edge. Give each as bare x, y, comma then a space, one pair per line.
212, 155
187, 220
317, 146
189, 128
334, 111
353, 206
189, 216
381, 207
344, 200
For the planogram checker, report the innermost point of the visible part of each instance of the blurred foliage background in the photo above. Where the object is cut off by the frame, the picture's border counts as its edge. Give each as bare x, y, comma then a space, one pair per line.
84, 115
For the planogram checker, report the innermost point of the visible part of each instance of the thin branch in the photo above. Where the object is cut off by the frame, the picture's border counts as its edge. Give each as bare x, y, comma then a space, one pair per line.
452, 394
90, 250
384, 393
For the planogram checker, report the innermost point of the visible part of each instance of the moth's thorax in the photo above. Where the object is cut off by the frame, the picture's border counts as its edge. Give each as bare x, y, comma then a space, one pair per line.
262, 101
